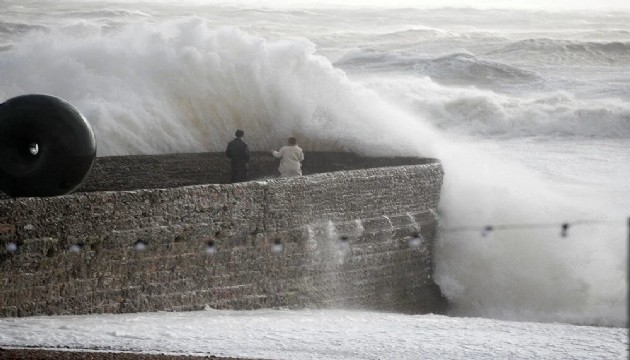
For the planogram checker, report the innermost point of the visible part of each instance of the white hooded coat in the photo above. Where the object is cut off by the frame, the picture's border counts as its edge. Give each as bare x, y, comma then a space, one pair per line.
290, 163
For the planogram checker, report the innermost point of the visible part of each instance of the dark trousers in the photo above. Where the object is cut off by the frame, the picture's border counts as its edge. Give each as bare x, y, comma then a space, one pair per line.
240, 171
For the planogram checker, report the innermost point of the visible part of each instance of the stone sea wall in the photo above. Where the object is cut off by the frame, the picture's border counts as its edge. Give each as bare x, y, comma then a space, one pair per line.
166, 232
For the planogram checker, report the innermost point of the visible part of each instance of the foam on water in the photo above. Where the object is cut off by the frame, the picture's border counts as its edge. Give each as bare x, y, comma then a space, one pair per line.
182, 84
477, 112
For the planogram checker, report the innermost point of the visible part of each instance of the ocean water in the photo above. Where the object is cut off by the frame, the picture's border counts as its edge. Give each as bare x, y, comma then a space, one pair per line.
528, 110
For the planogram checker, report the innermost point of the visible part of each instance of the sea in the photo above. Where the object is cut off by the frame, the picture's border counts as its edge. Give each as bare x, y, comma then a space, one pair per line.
528, 109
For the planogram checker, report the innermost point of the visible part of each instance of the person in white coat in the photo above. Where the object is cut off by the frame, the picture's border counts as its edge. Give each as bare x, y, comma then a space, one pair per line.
291, 159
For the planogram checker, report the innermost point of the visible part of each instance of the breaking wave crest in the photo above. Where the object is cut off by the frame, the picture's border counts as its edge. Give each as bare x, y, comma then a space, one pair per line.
471, 111
11, 28
555, 51
205, 83
108, 14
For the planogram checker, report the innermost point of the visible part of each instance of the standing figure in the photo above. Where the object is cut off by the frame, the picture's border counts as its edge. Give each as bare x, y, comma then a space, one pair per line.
291, 156
238, 151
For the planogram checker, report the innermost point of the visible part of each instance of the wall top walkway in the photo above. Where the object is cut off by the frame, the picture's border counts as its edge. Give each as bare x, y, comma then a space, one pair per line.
116, 173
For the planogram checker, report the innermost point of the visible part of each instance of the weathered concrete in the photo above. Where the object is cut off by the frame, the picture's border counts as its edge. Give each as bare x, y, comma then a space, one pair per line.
344, 236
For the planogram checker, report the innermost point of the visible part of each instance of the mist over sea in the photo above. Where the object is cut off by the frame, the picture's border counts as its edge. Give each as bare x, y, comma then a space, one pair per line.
528, 110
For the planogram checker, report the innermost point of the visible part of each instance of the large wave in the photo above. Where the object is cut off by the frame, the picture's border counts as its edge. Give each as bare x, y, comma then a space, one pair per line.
458, 68
9, 28
557, 51
183, 85
473, 111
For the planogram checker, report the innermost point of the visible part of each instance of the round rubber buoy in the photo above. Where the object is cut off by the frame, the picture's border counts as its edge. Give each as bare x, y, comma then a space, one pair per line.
46, 146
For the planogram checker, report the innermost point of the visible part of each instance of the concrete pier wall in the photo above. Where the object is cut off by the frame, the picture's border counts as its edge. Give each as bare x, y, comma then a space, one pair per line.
145, 234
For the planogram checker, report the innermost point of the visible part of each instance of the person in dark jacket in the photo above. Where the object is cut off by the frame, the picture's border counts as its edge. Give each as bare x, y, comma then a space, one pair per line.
238, 151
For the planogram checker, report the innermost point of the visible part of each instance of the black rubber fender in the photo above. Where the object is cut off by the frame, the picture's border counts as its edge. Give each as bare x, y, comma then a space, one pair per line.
47, 147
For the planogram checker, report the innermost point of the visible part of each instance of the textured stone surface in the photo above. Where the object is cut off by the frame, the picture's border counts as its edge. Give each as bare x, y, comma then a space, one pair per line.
32, 354
344, 239
167, 171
